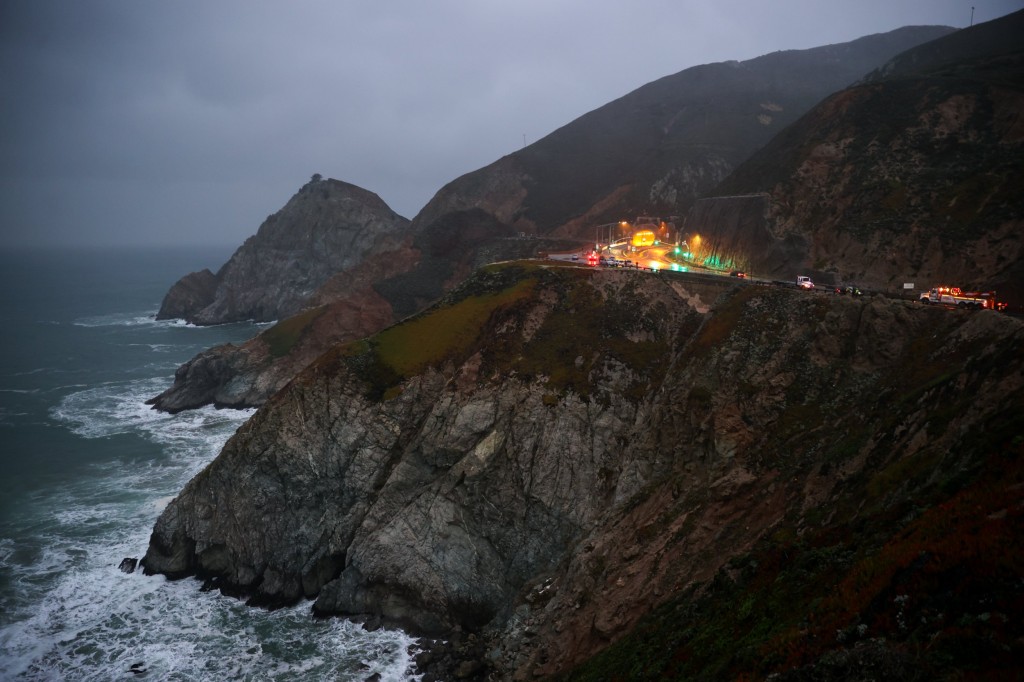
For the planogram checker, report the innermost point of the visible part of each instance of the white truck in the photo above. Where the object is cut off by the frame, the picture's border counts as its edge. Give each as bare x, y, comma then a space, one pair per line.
961, 299
803, 282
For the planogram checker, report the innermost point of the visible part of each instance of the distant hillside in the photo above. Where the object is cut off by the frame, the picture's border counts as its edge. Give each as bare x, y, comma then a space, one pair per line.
915, 174
979, 42
326, 227
657, 149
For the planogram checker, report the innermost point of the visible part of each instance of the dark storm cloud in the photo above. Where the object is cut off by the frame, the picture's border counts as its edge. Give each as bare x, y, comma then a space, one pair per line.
179, 122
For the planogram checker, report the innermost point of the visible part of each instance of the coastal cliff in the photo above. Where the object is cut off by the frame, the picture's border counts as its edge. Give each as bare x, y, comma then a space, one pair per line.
356, 302
346, 307
551, 454
398, 392
326, 227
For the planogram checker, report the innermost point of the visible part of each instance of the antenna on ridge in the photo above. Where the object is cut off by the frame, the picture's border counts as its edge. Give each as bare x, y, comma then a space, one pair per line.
972, 15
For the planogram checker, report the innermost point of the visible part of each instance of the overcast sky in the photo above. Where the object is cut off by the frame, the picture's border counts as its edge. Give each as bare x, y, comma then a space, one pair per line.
188, 122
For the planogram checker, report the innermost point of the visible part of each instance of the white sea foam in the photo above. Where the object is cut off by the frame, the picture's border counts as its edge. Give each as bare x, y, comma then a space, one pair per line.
120, 407
95, 622
160, 503
77, 617
136, 319
112, 408
69, 386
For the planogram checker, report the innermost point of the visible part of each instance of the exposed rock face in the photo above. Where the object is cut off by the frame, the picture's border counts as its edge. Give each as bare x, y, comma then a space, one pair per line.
551, 453
210, 378
345, 308
914, 175
354, 303
360, 444
734, 232
189, 294
326, 227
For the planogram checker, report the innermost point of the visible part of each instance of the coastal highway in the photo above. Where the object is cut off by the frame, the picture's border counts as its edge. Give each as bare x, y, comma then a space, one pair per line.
650, 258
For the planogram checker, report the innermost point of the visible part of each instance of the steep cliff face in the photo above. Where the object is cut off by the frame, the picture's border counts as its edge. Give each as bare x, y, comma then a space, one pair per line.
418, 420
914, 175
327, 227
346, 307
190, 294
551, 453
802, 437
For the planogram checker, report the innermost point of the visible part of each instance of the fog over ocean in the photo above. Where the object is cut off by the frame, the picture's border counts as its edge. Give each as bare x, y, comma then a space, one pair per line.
87, 467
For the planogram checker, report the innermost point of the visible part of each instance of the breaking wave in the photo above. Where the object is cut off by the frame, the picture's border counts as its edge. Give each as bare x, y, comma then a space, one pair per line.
76, 616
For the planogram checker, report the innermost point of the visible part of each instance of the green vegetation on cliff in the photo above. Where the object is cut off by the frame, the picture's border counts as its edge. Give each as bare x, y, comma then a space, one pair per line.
578, 329
446, 332
283, 336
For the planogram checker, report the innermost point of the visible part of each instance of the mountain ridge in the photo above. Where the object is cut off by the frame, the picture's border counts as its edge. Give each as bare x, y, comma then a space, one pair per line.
611, 143
474, 220
900, 178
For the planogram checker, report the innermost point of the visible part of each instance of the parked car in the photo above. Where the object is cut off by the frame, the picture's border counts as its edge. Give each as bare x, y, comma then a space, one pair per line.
804, 282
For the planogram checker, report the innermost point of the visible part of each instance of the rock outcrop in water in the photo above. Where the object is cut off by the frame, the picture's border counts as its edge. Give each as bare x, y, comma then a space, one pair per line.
327, 227
551, 453
188, 296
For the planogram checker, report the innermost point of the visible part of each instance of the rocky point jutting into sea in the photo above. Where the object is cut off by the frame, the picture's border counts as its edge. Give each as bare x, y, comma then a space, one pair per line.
590, 473
550, 453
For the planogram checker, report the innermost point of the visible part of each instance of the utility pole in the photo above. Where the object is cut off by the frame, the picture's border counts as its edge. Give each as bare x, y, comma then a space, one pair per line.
972, 15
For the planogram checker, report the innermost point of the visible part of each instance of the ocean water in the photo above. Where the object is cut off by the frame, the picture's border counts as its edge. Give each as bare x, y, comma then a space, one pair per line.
86, 467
